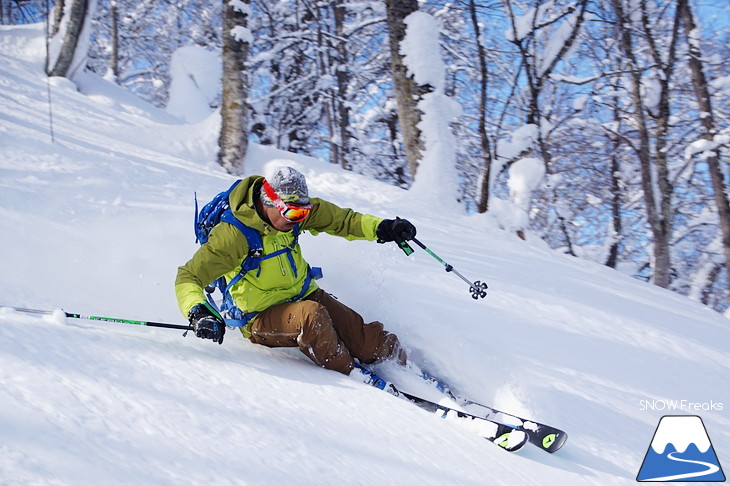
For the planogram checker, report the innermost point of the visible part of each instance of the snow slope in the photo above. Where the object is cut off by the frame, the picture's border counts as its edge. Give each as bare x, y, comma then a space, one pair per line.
97, 221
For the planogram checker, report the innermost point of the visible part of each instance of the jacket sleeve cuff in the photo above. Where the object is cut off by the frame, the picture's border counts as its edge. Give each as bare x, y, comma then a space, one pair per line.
370, 225
188, 296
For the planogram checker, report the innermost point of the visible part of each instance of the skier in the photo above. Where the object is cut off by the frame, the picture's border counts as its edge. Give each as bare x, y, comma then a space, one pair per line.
283, 304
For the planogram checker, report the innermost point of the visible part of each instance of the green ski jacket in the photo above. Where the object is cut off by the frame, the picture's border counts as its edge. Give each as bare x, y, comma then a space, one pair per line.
275, 281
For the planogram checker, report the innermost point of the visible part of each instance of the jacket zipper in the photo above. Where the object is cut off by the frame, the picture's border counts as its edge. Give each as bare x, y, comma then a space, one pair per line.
280, 258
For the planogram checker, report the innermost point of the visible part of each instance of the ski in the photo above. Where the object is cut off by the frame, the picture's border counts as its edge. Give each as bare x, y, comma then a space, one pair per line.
506, 436
546, 437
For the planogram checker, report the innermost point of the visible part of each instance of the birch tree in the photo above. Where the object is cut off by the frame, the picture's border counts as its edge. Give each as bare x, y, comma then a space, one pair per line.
233, 139
543, 35
68, 46
707, 119
484, 141
652, 198
407, 91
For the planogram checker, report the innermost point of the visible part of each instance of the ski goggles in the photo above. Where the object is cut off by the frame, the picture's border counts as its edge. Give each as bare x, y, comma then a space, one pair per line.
290, 211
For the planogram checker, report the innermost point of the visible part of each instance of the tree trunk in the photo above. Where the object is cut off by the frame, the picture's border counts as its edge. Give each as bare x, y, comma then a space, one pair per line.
114, 56
485, 183
76, 17
342, 77
707, 119
661, 256
326, 64
617, 225
664, 62
233, 139
407, 91
57, 16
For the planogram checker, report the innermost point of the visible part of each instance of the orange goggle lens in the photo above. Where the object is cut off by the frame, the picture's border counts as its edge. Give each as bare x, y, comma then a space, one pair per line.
296, 214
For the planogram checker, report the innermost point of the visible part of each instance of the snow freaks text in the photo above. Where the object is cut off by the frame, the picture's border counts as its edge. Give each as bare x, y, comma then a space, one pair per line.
681, 406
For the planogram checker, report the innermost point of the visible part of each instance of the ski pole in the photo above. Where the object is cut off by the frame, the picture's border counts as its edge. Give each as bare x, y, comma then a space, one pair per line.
478, 289
101, 318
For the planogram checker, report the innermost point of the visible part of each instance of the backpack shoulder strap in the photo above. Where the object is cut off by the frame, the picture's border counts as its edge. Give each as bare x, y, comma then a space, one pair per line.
253, 238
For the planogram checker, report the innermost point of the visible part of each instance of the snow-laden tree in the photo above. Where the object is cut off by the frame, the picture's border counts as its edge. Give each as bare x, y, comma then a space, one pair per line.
133, 41
711, 147
408, 92
623, 103
68, 45
233, 137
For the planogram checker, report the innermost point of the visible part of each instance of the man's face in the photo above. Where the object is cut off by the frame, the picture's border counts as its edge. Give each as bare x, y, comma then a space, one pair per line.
278, 221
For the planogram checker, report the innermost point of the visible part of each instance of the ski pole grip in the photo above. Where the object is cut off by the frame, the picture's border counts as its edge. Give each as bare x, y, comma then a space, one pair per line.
403, 245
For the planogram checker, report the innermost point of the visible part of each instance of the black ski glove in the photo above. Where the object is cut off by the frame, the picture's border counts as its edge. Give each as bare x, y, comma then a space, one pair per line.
206, 323
397, 230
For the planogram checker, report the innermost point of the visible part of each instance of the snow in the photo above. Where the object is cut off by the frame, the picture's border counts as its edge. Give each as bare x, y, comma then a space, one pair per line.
195, 74
97, 221
240, 6
722, 83
242, 34
420, 48
437, 179
558, 39
520, 140
525, 176
523, 24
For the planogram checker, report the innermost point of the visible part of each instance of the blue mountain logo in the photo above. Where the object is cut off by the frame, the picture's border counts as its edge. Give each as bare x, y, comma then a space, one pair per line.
681, 451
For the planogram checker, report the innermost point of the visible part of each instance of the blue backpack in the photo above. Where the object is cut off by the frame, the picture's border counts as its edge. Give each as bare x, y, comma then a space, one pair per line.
219, 210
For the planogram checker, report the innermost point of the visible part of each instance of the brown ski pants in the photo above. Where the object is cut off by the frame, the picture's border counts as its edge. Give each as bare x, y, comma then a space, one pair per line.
327, 331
